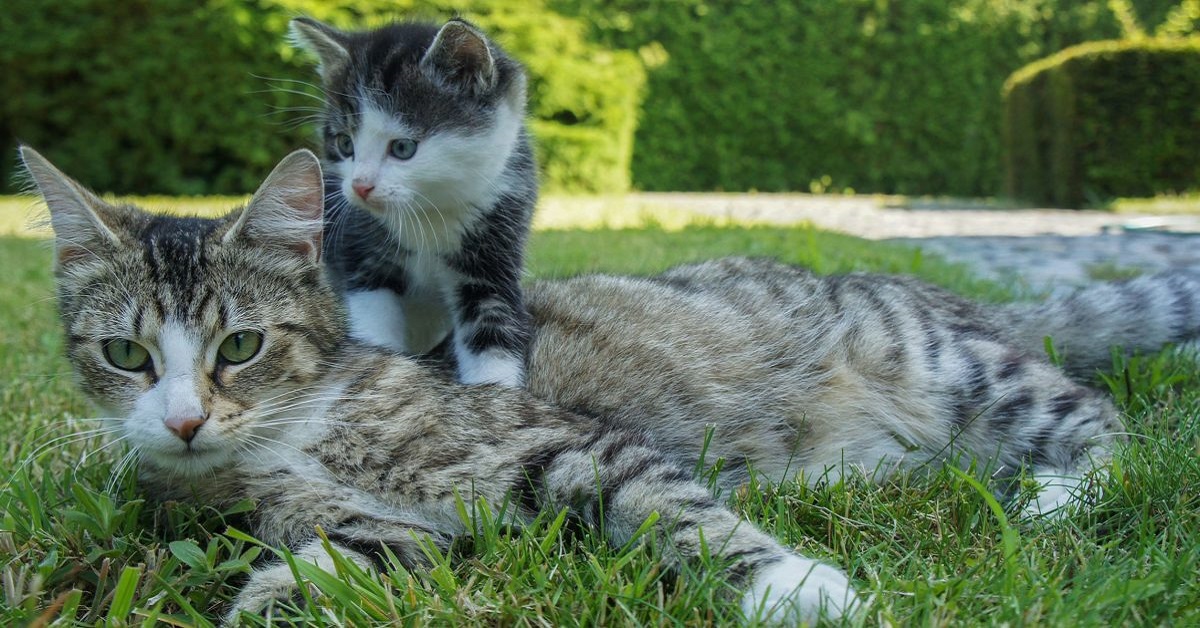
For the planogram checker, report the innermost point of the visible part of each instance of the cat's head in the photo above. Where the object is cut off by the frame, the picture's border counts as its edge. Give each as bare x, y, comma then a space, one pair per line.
417, 116
192, 333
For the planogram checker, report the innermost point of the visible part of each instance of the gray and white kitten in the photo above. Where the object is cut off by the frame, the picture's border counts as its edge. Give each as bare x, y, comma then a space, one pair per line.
431, 189
222, 348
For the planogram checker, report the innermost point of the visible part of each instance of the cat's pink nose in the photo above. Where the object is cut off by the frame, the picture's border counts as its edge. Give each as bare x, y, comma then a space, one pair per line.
184, 426
362, 189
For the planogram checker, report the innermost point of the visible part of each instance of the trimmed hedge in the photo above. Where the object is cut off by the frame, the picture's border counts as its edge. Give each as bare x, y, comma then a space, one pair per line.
892, 96
192, 96
1102, 120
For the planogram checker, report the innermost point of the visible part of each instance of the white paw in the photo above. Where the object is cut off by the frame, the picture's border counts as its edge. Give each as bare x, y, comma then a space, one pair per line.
276, 583
800, 590
266, 588
490, 367
1059, 494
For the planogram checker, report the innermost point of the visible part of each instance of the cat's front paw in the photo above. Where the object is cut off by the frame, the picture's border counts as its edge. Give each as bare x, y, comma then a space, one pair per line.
267, 588
800, 590
276, 583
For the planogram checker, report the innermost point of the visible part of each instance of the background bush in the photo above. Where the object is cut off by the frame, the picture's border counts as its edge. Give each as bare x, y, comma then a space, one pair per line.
1105, 119
191, 97
891, 96
894, 96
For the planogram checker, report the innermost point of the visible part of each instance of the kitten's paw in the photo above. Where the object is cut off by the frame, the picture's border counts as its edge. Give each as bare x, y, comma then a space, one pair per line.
800, 590
491, 367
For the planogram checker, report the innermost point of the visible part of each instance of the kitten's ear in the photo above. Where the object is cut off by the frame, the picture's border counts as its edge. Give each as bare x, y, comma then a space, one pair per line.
287, 209
324, 41
77, 215
460, 54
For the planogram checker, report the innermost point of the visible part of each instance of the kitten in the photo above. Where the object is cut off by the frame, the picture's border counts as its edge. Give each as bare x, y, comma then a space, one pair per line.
250, 388
431, 188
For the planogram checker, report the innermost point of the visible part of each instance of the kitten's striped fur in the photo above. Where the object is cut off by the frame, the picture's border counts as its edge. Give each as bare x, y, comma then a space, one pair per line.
797, 375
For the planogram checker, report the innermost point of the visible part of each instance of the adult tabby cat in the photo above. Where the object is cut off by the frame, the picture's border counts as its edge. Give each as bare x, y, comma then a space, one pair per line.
224, 348
431, 188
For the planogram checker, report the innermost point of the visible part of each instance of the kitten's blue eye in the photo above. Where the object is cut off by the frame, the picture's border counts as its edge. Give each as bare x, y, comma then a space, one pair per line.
240, 346
126, 355
344, 145
402, 148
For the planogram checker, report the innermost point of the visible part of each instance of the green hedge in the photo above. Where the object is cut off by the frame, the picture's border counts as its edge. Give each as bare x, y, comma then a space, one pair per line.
893, 96
1102, 120
190, 96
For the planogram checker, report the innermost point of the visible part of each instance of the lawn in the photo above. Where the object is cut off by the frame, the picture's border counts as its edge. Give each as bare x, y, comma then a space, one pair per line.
78, 544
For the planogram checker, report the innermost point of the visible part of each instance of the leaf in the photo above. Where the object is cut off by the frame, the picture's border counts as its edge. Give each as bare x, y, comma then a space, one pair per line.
190, 554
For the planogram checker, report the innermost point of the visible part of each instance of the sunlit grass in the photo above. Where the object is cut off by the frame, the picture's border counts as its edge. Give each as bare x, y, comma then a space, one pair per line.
1171, 204
25, 216
78, 546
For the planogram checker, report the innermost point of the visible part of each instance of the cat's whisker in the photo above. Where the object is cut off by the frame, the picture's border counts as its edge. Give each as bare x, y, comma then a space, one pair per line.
424, 210
124, 466
253, 443
65, 440
280, 84
410, 213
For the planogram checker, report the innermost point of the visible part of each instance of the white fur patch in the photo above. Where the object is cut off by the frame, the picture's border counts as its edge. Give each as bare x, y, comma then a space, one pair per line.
377, 318
178, 358
489, 367
799, 590
276, 582
1059, 493
428, 201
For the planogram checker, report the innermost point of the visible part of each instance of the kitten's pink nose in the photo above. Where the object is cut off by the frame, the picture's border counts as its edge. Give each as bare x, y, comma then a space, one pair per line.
184, 426
362, 189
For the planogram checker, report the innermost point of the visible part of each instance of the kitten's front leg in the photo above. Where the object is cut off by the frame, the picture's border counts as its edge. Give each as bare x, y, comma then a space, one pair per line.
491, 332
377, 318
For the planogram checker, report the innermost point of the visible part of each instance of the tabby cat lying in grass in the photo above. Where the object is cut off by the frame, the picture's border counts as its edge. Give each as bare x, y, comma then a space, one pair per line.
224, 348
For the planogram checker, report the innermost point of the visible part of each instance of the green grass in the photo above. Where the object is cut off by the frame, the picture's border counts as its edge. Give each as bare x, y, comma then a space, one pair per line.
78, 544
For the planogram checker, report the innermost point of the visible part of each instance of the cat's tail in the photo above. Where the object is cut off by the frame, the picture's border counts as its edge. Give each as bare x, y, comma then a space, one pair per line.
1139, 315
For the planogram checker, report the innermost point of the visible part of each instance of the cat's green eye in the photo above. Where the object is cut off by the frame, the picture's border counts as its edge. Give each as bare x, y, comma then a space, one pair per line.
126, 355
344, 144
402, 148
240, 346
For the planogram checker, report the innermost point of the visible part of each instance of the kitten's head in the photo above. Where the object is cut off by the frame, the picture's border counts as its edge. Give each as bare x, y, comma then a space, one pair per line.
195, 334
417, 116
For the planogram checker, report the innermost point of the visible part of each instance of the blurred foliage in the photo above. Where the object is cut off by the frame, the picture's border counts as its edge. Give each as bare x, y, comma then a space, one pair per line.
202, 97
892, 96
895, 96
1105, 119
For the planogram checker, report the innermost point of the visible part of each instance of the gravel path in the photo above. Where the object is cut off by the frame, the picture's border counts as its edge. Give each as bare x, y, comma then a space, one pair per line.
1042, 249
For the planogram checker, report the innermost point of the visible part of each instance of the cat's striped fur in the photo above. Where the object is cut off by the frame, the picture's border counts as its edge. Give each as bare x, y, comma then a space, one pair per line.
797, 375
363, 442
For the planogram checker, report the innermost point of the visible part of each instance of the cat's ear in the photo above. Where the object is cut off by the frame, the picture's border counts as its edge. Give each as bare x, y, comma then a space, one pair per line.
461, 56
286, 212
322, 40
81, 221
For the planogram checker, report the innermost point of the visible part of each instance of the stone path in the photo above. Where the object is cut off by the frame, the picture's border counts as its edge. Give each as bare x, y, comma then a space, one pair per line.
1041, 249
